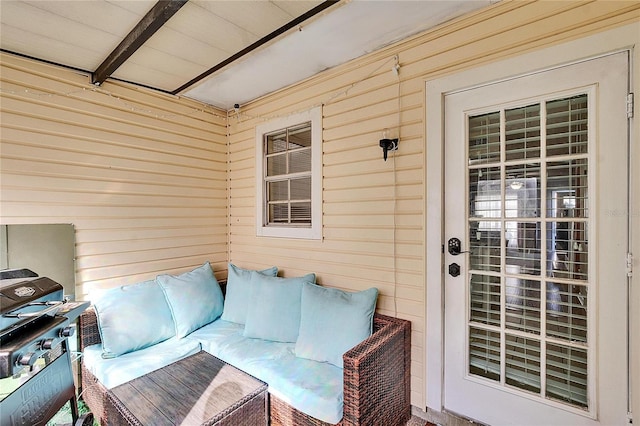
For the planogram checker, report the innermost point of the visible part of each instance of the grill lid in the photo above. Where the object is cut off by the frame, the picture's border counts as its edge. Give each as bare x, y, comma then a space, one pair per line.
15, 295
23, 299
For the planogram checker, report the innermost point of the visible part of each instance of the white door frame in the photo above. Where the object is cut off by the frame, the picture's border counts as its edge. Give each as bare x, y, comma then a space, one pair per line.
619, 39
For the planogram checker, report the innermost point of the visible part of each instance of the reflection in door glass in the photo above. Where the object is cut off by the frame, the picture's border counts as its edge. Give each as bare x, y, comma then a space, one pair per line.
485, 299
523, 305
522, 196
485, 192
522, 132
484, 138
485, 245
484, 353
567, 374
523, 363
567, 312
567, 250
567, 188
567, 126
523, 248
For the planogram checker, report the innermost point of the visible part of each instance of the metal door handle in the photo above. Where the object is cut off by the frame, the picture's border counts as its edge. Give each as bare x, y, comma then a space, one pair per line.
454, 246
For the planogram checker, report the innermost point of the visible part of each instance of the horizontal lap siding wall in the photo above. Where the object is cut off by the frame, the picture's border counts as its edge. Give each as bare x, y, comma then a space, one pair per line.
140, 175
373, 211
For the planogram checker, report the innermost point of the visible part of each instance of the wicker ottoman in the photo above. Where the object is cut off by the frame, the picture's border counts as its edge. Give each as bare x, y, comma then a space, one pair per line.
200, 389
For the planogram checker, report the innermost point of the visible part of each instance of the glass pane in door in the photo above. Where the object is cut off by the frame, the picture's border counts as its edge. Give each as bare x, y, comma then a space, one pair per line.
522, 132
528, 235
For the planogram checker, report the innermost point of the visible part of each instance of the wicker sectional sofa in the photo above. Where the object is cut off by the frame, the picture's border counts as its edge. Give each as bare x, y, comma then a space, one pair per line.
372, 387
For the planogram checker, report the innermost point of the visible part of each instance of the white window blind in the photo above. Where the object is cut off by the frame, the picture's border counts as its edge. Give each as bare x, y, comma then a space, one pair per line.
288, 176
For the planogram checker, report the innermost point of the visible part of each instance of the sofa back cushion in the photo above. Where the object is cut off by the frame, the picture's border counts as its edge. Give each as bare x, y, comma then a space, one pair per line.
333, 321
195, 298
236, 301
132, 317
274, 307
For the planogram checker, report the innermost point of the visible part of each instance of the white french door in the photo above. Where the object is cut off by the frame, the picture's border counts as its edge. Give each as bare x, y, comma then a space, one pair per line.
535, 300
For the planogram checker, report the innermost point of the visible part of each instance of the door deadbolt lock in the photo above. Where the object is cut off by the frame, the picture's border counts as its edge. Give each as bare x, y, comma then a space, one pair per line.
454, 269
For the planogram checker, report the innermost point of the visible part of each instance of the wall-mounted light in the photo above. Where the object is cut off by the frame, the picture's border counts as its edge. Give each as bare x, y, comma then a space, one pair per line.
387, 143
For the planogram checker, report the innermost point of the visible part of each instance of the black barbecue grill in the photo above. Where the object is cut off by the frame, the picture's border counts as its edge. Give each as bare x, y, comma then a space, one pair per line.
35, 362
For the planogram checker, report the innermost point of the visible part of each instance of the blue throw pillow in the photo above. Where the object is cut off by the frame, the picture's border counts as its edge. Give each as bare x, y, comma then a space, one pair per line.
236, 301
195, 298
132, 317
333, 321
274, 307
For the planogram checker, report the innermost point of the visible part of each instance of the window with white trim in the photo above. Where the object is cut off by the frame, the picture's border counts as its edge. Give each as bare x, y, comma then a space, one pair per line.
288, 176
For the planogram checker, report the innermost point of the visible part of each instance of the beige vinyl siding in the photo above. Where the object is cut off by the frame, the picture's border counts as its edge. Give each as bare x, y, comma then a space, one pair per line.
140, 175
373, 212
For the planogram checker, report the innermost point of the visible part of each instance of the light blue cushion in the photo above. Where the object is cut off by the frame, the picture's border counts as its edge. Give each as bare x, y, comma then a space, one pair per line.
195, 298
274, 307
315, 388
333, 321
226, 341
236, 300
116, 371
215, 336
132, 317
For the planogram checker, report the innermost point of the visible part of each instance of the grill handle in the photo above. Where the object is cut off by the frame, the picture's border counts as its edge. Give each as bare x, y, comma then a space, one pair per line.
53, 307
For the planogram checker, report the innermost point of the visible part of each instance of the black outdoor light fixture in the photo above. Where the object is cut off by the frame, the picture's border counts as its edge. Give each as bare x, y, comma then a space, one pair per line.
388, 144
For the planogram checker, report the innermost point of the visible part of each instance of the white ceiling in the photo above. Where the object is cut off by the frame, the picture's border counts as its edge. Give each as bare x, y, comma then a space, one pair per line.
204, 33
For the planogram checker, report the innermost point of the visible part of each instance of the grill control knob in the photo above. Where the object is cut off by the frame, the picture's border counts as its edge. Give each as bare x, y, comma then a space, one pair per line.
47, 344
67, 331
27, 359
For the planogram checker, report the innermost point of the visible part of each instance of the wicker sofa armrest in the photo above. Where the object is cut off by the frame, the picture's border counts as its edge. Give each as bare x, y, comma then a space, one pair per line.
377, 375
89, 334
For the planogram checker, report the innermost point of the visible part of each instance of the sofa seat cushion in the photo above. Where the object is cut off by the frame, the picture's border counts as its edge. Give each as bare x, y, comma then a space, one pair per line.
113, 372
225, 340
315, 388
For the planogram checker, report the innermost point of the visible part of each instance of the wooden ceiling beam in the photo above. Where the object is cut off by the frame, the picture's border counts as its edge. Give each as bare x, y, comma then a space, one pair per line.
159, 14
